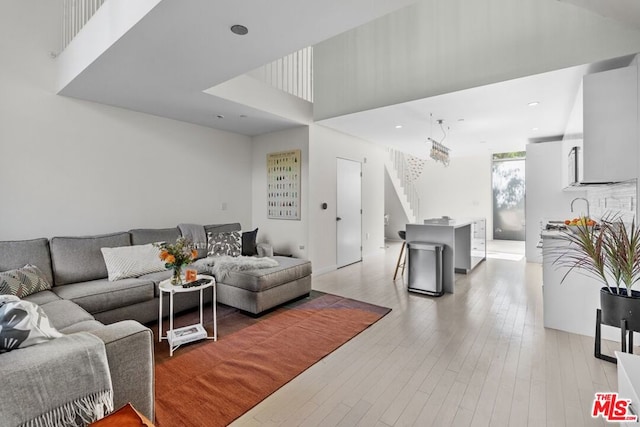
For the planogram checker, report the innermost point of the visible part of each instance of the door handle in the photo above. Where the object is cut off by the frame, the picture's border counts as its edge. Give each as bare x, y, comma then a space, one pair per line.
338, 219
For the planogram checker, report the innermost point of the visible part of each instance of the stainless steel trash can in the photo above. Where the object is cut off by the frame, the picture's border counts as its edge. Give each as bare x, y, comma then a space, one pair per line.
425, 268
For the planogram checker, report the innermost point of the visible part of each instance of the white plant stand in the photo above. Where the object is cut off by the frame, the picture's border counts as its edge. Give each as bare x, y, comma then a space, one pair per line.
186, 334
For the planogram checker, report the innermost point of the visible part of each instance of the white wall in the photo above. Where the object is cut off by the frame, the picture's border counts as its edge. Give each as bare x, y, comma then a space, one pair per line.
441, 46
325, 145
70, 167
545, 200
393, 207
286, 236
461, 190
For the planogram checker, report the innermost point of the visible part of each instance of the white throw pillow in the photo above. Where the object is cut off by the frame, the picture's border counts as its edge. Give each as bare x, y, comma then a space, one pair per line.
22, 324
132, 261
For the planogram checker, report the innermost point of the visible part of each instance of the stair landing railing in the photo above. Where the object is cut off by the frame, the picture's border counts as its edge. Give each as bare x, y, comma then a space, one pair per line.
403, 172
292, 74
75, 14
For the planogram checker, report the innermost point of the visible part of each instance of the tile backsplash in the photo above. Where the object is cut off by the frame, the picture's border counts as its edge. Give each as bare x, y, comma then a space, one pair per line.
616, 199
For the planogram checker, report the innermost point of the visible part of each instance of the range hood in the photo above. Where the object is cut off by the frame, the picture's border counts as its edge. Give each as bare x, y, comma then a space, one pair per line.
593, 184
574, 166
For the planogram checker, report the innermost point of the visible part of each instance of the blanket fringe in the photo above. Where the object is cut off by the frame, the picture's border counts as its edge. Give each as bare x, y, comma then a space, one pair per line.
77, 413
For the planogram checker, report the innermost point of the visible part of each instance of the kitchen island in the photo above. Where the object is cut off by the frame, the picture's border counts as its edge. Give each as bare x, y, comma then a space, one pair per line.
464, 242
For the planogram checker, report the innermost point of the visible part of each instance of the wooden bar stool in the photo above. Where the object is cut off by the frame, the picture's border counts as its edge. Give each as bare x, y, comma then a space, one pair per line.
400, 262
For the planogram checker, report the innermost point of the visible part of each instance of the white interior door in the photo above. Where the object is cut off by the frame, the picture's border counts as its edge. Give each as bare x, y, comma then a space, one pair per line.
349, 212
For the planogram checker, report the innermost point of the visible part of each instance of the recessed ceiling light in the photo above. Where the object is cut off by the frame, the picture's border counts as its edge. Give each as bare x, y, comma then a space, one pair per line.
220, 116
243, 116
398, 126
483, 142
534, 128
533, 103
461, 120
240, 30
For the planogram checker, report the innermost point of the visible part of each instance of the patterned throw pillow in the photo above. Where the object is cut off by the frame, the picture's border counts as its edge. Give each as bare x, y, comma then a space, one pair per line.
226, 243
132, 261
23, 324
23, 281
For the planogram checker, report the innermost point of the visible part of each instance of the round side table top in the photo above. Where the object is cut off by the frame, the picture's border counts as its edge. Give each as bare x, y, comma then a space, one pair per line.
166, 285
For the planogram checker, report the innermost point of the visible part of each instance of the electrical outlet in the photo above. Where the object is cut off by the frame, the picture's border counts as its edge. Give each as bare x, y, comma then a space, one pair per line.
224, 206
367, 236
301, 247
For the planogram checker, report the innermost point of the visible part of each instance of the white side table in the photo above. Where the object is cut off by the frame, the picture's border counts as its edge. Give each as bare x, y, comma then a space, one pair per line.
186, 334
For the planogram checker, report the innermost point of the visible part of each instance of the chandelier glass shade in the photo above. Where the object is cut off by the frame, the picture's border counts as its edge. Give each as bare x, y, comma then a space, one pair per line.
439, 152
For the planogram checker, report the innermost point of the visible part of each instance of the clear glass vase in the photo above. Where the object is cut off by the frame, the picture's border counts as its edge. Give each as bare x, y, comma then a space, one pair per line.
176, 279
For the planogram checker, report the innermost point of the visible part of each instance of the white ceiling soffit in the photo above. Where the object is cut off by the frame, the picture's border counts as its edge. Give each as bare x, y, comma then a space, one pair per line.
439, 46
163, 64
495, 118
625, 11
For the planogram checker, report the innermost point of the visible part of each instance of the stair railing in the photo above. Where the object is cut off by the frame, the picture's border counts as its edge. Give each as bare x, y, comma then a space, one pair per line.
75, 14
292, 74
401, 167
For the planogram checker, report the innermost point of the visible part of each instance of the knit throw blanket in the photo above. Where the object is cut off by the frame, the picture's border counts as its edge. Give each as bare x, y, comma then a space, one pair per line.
223, 265
195, 234
62, 383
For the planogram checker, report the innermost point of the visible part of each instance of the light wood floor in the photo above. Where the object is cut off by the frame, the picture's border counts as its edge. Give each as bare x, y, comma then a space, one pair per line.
479, 357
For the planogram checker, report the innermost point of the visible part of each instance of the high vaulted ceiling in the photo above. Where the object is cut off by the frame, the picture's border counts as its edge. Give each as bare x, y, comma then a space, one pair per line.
163, 64
382, 63
481, 61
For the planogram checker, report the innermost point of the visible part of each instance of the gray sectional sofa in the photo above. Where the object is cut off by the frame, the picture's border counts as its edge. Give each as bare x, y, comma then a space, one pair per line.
82, 300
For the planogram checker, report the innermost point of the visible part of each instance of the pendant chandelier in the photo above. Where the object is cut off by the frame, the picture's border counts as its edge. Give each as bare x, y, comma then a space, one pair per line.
439, 151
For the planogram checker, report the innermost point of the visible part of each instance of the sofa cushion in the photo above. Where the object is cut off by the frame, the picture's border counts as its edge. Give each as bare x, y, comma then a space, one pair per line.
63, 313
18, 253
266, 278
23, 324
156, 278
23, 281
79, 259
159, 276
101, 295
42, 297
132, 261
84, 326
142, 236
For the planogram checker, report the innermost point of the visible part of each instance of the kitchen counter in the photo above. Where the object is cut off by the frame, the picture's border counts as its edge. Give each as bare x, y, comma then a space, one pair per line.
464, 242
552, 234
455, 223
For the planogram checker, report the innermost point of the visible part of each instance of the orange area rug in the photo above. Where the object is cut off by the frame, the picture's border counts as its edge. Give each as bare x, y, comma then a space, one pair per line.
213, 383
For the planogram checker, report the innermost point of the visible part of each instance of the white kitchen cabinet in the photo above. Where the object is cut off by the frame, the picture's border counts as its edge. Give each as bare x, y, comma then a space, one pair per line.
478, 241
610, 150
570, 305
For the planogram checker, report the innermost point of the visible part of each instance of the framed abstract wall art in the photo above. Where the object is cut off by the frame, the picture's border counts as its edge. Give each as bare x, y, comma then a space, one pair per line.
283, 185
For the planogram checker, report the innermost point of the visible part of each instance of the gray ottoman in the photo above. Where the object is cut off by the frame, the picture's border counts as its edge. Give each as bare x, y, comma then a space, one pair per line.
255, 291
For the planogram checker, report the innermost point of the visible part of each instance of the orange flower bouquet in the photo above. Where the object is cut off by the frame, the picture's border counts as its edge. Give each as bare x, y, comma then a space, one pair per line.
177, 256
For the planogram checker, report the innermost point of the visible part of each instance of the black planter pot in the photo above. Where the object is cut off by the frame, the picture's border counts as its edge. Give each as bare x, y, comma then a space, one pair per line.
617, 307
619, 310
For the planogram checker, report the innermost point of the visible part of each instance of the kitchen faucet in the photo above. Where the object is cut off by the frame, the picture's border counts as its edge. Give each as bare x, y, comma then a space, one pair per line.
585, 200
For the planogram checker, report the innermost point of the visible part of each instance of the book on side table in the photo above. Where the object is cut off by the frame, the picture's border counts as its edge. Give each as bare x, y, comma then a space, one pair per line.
187, 334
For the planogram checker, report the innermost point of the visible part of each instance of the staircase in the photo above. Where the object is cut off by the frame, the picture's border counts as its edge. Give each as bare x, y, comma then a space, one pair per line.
398, 169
